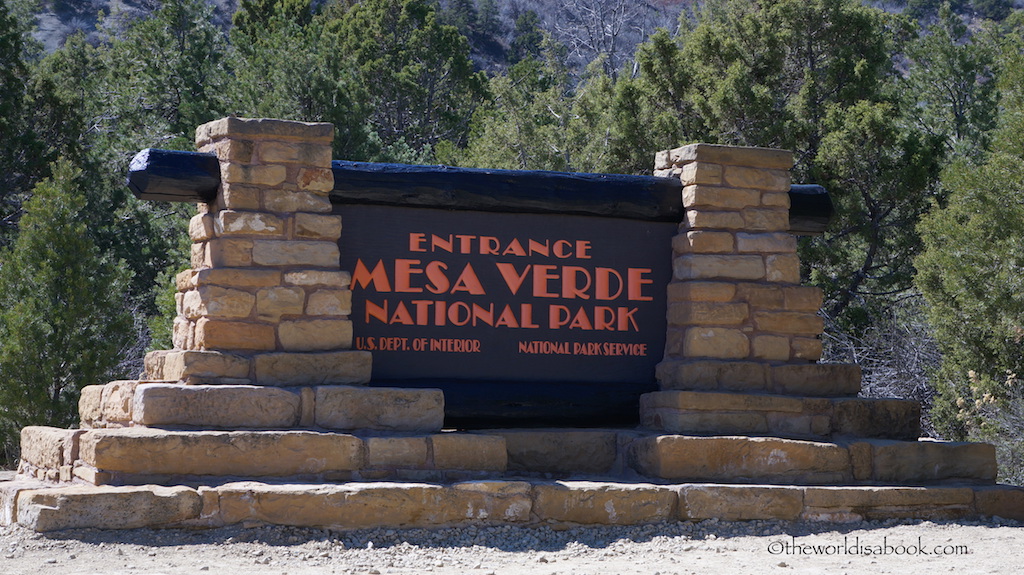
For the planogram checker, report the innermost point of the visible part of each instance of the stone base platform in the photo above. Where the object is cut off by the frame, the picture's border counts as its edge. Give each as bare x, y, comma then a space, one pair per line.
135, 456
37, 506
713, 413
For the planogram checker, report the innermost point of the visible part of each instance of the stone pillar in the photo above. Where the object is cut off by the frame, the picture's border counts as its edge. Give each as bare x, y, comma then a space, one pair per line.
265, 301
735, 303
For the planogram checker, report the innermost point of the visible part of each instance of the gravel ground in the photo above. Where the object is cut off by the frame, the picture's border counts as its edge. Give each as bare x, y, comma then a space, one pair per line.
713, 547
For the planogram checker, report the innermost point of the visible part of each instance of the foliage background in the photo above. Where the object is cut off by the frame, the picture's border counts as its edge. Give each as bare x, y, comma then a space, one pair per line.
909, 112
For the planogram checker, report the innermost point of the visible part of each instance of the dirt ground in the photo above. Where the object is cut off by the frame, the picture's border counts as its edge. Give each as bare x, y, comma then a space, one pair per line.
916, 548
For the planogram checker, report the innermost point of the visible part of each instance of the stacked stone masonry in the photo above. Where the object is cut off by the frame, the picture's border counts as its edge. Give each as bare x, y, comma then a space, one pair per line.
735, 292
265, 301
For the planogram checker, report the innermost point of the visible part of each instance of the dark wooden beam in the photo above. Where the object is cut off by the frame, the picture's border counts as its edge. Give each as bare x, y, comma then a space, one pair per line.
164, 175
173, 176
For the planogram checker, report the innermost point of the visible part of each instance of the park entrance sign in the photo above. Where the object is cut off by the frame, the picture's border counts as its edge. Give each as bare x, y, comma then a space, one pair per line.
526, 297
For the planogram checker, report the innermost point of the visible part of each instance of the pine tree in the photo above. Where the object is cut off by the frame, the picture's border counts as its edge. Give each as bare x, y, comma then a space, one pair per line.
63, 321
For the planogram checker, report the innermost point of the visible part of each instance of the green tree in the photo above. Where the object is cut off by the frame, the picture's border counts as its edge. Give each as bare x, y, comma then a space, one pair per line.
63, 324
969, 273
20, 164
419, 80
289, 68
527, 37
950, 87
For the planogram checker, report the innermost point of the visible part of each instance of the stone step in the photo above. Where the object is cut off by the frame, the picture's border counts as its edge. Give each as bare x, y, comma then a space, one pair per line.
223, 406
712, 413
808, 379
43, 508
799, 462
143, 455
137, 455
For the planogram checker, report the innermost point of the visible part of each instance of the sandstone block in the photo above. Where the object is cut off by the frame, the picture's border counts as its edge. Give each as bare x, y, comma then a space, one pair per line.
703, 266
789, 322
183, 332
200, 227
49, 447
820, 379
771, 347
709, 313
782, 268
383, 408
716, 342
469, 452
263, 128
327, 368
698, 173
758, 295
237, 278
396, 452
215, 406
148, 452
802, 298
931, 461
743, 459
268, 175
740, 502
90, 405
315, 226
369, 505
276, 152
726, 155
713, 375
315, 334
117, 400
185, 280
704, 219
274, 302
589, 503
750, 243
316, 179
237, 197
214, 334
1000, 501
197, 256
287, 201
766, 220
328, 302
775, 200
560, 450
311, 278
295, 253
703, 242
176, 365
237, 223
228, 253
80, 507
757, 178
230, 150
858, 503
701, 291
216, 301
721, 198
890, 418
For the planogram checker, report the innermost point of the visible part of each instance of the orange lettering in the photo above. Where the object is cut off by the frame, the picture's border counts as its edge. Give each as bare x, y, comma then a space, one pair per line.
570, 287
438, 281
636, 283
379, 277
560, 249
402, 315
558, 315
513, 279
604, 276
489, 245
514, 248
468, 282
541, 276
416, 242
403, 276
581, 321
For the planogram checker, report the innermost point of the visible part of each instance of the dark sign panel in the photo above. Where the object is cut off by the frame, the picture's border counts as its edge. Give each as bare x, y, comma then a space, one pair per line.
485, 296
